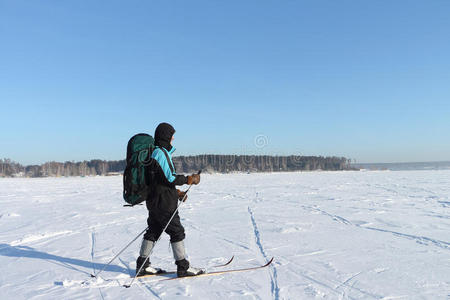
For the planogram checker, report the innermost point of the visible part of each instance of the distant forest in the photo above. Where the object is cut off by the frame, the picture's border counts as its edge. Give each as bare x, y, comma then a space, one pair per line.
408, 166
183, 164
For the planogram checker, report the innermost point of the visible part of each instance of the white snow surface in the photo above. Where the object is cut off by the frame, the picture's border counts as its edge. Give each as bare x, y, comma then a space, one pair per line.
334, 235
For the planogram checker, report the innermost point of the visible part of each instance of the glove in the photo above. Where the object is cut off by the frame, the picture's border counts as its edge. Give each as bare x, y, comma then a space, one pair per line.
193, 179
181, 195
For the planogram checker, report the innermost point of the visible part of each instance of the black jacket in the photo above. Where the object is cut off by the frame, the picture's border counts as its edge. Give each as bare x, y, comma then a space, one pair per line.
163, 200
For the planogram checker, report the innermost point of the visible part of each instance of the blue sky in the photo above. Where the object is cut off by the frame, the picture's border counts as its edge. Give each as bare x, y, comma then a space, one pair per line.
368, 80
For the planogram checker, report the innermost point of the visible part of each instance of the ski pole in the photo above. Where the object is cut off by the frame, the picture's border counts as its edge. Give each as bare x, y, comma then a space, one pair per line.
167, 225
95, 275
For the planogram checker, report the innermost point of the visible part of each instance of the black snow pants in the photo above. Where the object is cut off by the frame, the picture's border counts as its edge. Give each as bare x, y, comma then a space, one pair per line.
156, 224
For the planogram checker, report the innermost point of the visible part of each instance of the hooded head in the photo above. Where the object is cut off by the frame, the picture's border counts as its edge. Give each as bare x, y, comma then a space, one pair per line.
163, 135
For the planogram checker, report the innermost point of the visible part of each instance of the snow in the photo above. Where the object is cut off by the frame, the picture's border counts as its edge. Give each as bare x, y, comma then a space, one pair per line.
334, 235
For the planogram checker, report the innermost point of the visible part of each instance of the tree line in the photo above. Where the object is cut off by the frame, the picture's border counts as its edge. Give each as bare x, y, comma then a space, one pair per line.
259, 163
93, 167
183, 164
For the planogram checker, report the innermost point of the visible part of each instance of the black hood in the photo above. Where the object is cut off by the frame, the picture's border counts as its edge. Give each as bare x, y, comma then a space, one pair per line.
163, 135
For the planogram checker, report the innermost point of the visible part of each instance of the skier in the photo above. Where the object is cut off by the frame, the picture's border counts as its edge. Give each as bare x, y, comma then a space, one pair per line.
162, 203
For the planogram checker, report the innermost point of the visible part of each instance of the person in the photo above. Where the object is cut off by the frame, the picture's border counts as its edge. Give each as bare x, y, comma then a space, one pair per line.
162, 203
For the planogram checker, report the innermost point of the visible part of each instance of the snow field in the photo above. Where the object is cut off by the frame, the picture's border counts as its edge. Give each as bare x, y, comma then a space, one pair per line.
334, 235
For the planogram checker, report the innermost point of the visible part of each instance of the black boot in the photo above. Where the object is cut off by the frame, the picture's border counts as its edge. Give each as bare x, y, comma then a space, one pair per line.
147, 269
183, 269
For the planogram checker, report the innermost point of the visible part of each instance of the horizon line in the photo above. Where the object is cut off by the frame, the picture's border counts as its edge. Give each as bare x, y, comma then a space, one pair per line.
352, 163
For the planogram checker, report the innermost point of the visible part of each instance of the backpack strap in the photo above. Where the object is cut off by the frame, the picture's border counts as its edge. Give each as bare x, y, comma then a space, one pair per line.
172, 169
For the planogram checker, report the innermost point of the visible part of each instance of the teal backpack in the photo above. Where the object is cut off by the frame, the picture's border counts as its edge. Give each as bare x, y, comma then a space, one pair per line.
139, 171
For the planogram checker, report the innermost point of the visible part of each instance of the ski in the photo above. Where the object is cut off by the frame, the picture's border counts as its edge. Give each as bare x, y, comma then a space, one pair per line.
157, 274
174, 272
221, 272
225, 264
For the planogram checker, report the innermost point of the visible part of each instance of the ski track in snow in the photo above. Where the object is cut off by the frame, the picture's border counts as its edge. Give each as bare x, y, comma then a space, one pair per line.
333, 286
274, 277
93, 259
92, 251
38, 237
419, 239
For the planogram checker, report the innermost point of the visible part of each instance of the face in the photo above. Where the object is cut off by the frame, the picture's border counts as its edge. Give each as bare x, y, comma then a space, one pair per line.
171, 140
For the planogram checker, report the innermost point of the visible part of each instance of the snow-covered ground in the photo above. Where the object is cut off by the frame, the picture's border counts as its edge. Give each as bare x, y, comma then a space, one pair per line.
355, 235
